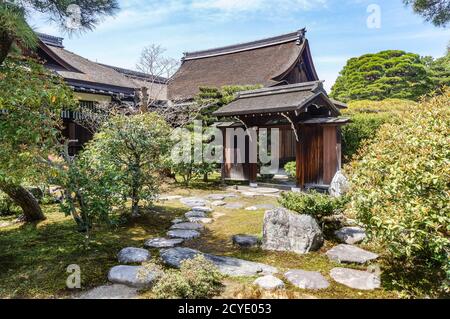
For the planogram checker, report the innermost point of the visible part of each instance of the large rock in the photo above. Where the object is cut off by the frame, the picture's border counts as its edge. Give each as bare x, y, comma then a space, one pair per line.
350, 254
195, 214
269, 282
132, 255
187, 226
193, 201
356, 279
351, 235
287, 231
245, 241
132, 276
307, 279
226, 265
184, 234
339, 185
115, 291
163, 242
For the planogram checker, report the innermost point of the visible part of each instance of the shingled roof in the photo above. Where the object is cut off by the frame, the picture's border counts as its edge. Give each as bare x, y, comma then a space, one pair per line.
264, 62
277, 99
81, 72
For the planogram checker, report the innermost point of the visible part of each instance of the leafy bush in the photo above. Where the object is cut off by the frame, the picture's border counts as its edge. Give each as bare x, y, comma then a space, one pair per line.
366, 119
134, 147
291, 169
312, 203
400, 187
7, 206
197, 278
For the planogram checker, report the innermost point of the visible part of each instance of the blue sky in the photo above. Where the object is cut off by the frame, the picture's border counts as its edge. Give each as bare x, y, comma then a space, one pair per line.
337, 29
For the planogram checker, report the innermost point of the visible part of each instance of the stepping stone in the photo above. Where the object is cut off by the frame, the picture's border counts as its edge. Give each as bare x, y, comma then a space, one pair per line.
350, 254
187, 226
170, 197
356, 279
250, 194
200, 220
227, 265
202, 209
132, 276
266, 190
114, 291
269, 282
178, 220
307, 279
132, 255
184, 234
233, 206
245, 241
351, 235
218, 203
193, 201
163, 242
195, 214
230, 195
252, 208
216, 197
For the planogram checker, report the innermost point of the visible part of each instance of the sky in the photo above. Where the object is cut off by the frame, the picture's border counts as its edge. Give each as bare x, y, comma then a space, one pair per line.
337, 29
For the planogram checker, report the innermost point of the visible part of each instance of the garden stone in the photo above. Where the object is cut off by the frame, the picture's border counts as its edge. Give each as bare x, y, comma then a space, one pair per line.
339, 185
193, 201
163, 242
350, 254
115, 291
245, 241
132, 276
226, 265
202, 209
184, 234
307, 279
284, 230
265, 190
233, 206
269, 282
260, 206
200, 220
132, 255
356, 279
351, 235
218, 203
215, 197
187, 226
251, 208
195, 214
250, 194
178, 220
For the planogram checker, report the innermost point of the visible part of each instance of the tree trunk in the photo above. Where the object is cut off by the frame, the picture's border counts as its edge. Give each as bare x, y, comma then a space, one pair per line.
5, 46
23, 198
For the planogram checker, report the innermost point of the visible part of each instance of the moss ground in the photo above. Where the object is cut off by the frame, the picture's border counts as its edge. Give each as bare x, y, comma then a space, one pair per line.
34, 258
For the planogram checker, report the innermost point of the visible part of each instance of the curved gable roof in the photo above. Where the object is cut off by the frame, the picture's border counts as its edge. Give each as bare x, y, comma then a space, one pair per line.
263, 62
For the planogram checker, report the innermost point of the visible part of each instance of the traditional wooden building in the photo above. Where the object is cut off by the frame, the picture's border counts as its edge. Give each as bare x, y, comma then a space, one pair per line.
293, 100
93, 82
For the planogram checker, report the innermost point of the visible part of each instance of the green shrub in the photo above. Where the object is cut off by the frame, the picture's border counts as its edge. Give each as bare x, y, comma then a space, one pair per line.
7, 206
197, 278
291, 169
400, 187
366, 119
311, 203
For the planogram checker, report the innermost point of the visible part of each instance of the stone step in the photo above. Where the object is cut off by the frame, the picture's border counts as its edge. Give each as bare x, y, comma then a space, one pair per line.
350, 254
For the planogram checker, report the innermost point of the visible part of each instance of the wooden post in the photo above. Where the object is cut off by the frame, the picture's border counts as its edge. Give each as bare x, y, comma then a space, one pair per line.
299, 157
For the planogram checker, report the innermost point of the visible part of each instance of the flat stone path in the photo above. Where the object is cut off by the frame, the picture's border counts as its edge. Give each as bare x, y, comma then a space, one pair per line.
115, 291
350, 254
